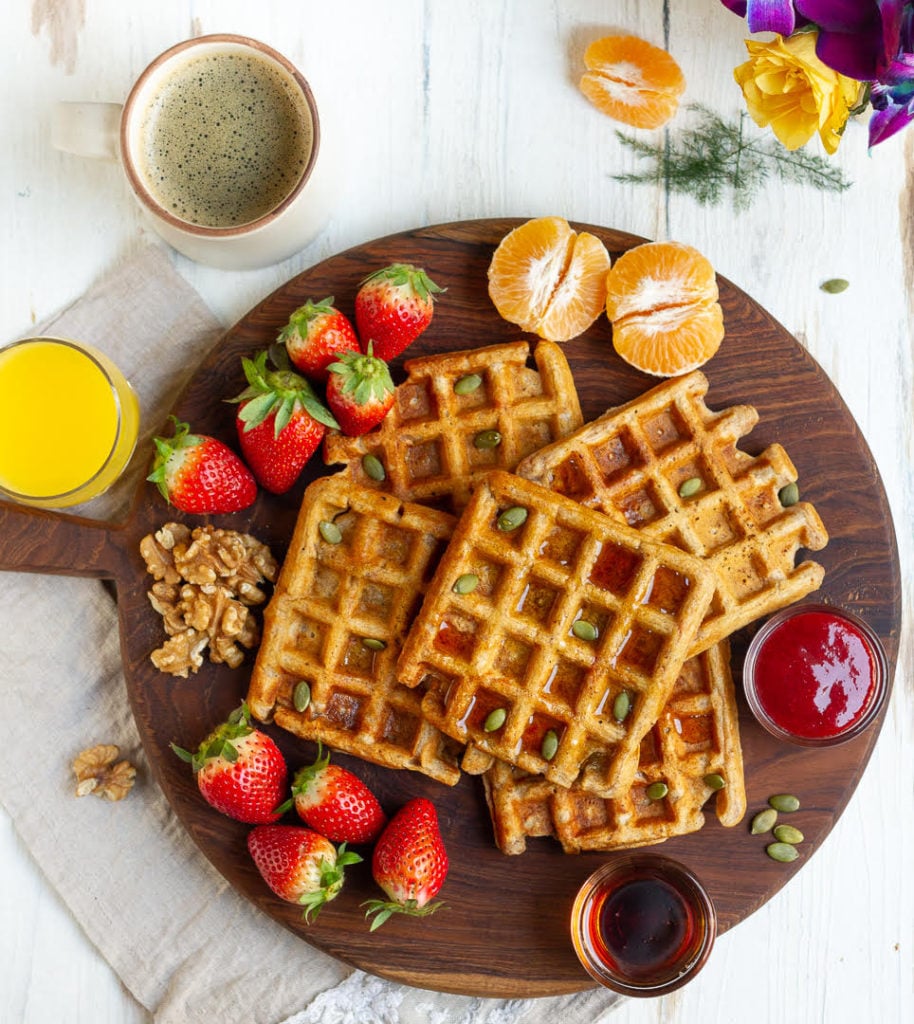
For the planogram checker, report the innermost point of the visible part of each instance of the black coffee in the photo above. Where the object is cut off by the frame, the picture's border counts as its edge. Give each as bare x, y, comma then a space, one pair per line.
225, 140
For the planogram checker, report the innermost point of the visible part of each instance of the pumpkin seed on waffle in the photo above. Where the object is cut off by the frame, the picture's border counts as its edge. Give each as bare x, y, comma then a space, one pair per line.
357, 566
669, 466
692, 751
540, 614
459, 415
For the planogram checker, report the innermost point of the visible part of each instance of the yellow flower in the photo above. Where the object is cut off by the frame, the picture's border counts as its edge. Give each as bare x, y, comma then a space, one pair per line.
787, 87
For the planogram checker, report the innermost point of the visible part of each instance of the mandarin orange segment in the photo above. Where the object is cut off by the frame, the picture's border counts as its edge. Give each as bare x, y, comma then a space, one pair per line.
549, 279
632, 81
661, 298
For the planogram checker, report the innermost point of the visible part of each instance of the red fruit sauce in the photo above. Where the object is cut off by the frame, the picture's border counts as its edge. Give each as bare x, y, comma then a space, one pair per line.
816, 674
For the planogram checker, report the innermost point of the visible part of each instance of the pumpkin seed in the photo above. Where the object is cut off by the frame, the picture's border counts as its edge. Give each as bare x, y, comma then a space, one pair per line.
550, 745
466, 583
585, 630
621, 706
511, 518
784, 853
689, 487
784, 802
373, 644
834, 285
495, 720
715, 781
657, 790
763, 821
301, 695
330, 532
374, 468
789, 495
468, 384
487, 439
788, 834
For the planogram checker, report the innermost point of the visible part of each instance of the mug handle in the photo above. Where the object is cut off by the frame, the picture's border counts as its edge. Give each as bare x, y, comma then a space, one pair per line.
87, 129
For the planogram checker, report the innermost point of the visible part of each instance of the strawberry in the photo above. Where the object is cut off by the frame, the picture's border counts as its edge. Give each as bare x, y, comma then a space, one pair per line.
393, 307
299, 865
239, 770
360, 391
280, 422
335, 802
409, 863
315, 335
197, 473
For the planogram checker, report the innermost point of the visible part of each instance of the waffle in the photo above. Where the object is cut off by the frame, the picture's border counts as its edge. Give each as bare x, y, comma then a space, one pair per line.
695, 736
429, 442
631, 463
512, 642
331, 596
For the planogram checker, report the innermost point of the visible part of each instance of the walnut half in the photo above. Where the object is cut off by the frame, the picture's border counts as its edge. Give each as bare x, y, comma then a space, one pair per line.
98, 771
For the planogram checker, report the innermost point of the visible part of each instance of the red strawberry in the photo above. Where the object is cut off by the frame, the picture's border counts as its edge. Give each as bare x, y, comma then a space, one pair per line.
280, 422
197, 473
335, 802
299, 865
315, 334
393, 307
409, 863
239, 770
359, 391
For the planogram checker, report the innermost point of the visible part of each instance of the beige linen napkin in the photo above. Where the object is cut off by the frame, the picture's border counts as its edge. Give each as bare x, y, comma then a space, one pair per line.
182, 940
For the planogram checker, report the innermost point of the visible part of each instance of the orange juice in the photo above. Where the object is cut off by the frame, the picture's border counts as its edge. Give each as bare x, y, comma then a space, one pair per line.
68, 422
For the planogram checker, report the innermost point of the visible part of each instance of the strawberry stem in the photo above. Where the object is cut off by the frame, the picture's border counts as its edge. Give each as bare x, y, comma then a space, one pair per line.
380, 910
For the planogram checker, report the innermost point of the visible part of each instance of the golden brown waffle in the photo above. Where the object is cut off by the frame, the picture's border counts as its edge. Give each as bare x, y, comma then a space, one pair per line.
436, 441
332, 597
696, 736
632, 463
514, 641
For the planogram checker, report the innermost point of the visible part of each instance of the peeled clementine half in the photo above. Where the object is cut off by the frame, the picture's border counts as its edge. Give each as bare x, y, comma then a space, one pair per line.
632, 81
549, 279
661, 298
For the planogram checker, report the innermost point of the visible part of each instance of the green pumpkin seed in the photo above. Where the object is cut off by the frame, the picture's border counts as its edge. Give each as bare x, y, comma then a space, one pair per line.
487, 439
511, 518
374, 468
373, 644
834, 285
621, 706
495, 720
763, 821
466, 583
689, 487
784, 802
301, 695
550, 745
330, 532
788, 834
585, 630
789, 495
468, 384
657, 790
784, 853
715, 781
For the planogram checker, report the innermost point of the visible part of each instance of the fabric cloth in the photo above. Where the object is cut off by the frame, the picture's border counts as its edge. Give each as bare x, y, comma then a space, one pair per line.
182, 940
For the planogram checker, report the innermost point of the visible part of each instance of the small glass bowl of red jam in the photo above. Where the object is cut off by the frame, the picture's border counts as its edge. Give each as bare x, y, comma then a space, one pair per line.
815, 675
643, 924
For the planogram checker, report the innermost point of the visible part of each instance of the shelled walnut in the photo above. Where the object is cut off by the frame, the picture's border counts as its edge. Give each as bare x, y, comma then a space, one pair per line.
98, 771
207, 580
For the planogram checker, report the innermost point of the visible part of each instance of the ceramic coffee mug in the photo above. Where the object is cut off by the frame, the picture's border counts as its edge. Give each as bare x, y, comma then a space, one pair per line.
221, 143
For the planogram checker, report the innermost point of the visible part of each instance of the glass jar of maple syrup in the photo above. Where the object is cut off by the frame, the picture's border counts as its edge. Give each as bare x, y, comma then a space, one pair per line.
643, 924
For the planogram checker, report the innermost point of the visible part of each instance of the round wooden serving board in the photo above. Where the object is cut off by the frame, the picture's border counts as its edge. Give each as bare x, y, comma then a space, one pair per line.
505, 929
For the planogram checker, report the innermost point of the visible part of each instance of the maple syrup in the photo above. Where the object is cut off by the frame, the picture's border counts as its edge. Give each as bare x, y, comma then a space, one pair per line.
643, 925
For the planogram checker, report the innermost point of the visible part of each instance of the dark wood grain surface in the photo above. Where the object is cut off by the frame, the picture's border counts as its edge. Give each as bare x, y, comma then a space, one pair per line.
505, 929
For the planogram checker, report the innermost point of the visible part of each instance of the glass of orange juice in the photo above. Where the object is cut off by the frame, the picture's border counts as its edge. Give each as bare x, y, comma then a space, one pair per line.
68, 422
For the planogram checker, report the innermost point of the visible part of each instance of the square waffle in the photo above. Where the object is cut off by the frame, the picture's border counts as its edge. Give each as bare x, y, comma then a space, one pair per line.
332, 597
514, 643
696, 735
436, 441
631, 464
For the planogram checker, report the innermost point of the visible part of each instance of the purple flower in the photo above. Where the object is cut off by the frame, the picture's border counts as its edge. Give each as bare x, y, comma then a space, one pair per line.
768, 15
892, 98
857, 38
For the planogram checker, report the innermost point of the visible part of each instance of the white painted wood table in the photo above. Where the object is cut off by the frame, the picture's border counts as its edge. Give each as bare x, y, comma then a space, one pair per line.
465, 110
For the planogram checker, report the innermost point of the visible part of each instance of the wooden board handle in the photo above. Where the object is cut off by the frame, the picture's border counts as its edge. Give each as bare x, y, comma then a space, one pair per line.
36, 540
